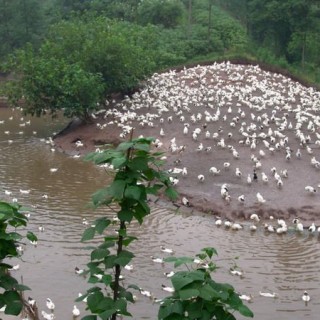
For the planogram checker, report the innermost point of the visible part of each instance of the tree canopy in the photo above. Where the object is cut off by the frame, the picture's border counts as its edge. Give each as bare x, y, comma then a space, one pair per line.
115, 55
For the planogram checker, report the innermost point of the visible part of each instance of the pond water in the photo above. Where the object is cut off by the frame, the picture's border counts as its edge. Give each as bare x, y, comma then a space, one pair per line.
285, 264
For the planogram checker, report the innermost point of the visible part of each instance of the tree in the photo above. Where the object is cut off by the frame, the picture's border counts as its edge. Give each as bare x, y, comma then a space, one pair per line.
80, 62
21, 21
109, 48
49, 85
137, 175
168, 13
116, 9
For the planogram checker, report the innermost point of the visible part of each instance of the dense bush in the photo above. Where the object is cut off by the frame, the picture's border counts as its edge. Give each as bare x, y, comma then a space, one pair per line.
167, 13
48, 84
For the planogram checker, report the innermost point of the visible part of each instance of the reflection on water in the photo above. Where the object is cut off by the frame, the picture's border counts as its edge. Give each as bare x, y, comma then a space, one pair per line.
287, 264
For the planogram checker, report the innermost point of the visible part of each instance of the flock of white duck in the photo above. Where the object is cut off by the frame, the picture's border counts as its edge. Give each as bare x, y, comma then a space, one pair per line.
223, 113
12, 196
258, 130
203, 264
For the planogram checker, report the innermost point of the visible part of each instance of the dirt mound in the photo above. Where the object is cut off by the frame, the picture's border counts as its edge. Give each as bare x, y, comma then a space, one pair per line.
236, 118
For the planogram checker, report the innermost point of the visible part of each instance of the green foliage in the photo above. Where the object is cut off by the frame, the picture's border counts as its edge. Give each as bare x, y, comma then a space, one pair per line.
197, 296
48, 84
116, 9
137, 174
116, 50
10, 220
21, 21
167, 13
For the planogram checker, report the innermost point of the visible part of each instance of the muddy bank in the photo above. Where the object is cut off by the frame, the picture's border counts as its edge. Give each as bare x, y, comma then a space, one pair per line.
243, 116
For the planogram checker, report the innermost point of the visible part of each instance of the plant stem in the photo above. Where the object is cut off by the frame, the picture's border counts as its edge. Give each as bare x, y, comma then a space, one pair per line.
118, 268
119, 249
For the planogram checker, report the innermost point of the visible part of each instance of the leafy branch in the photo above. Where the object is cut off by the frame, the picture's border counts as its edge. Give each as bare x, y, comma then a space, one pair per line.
197, 296
12, 295
137, 175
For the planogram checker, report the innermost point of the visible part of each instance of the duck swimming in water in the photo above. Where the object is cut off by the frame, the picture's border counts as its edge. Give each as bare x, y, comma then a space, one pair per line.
166, 250
75, 312
312, 228
245, 297
305, 297
50, 304
166, 288
157, 260
268, 294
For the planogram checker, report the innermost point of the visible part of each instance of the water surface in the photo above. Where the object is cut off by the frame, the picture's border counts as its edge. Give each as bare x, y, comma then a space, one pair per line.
287, 264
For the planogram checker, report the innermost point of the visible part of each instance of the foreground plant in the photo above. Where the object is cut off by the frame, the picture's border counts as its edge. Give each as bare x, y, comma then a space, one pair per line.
138, 175
197, 296
11, 296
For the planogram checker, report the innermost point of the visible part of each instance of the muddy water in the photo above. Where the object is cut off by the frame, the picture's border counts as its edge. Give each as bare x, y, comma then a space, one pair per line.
287, 264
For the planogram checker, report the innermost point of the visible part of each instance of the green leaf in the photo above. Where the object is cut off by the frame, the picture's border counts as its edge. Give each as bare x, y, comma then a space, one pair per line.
99, 254
170, 259
179, 281
133, 286
6, 208
12, 236
127, 295
154, 189
107, 279
188, 294
210, 251
125, 215
88, 234
102, 196
133, 192
119, 162
208, 293
140, 211
121, 306
93, 300
124, 258
171, 193
21, 287
179, 261
117, 189
107, 314
195, 309
124, 146
142, 146
138, 164
197, 275
31, 236
245, 311
13, 308
101, 224
13, 302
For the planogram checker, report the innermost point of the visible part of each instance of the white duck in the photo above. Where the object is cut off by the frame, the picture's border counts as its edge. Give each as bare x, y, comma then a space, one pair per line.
305, 297
157, 260
75, 312
312, 228
50, 304
268, 294
260, 198
48, 316
255, 217
166, 288
166, 250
